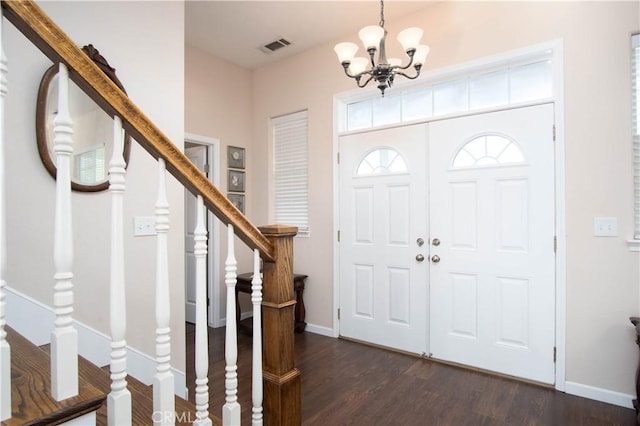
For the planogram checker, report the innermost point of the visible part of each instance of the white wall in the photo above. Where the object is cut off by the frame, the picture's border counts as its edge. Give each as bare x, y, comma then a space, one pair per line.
144, 41
602, 274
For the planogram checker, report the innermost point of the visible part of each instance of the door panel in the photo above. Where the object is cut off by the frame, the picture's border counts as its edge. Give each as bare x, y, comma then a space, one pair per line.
491, 206
383, 288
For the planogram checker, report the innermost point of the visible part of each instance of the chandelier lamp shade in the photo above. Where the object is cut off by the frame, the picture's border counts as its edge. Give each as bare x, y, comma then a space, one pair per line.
373, 38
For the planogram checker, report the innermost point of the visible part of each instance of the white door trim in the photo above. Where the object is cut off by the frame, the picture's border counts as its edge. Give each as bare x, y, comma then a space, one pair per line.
213, 259
556, 47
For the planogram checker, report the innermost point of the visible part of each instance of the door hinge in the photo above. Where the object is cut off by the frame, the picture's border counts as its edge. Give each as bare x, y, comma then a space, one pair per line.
338, 235
338, 313
338, 158
555, 244
554, 354
208, 301
554, 132
206, 169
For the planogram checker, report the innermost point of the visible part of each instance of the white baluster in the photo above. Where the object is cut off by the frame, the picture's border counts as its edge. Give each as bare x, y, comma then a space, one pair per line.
5, 350
64, 337
231, 408
119, 400
256, 372
202, 345
163, 384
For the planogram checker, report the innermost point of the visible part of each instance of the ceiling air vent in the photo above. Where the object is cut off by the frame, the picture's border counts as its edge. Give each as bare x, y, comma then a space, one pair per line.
275, 45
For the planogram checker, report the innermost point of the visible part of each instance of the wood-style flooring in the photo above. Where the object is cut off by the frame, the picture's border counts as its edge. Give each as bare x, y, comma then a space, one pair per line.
347, 383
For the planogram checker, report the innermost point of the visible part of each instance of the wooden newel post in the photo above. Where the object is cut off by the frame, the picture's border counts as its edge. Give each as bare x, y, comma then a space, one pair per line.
282, 401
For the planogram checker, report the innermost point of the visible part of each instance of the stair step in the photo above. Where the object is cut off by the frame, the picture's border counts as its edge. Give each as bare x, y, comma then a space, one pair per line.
142, 399
28, 359
31, 401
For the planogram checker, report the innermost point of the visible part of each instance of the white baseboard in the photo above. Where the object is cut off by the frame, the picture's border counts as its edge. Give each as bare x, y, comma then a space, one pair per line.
311, 328
27, 316
222, 322
599, 394
34, 321
318, 329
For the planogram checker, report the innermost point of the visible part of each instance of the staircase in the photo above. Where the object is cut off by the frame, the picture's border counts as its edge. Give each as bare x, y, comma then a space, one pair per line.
32, 404
52, 384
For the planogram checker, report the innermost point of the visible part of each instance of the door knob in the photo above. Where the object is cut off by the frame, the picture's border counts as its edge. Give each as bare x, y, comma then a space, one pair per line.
420, 242
419, 258
436, 242
435, 258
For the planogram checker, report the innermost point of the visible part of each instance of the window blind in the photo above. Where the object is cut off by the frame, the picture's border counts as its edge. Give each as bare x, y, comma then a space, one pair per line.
635, 95
290, 168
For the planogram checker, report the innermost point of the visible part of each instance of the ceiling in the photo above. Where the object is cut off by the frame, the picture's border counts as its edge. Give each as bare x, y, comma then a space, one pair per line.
235, 30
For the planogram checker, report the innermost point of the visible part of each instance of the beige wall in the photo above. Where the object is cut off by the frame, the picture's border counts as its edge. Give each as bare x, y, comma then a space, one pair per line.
218, 104
121, 31
602, 274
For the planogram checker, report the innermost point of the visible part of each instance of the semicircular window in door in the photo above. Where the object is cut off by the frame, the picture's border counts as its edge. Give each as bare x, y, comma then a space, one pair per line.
488, 150
381, 161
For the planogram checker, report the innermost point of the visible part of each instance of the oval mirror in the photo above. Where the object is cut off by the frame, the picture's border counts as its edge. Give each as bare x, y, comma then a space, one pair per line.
92, 129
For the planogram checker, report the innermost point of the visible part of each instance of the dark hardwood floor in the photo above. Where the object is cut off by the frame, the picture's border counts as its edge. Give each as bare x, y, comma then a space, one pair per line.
346, 383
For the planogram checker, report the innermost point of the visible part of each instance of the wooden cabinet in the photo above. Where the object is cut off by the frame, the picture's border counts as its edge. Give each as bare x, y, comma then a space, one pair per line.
636, 322
244, 286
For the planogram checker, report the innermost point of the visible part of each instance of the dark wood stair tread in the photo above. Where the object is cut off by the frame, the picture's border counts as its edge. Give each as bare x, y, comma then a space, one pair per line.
31, 400
31, 383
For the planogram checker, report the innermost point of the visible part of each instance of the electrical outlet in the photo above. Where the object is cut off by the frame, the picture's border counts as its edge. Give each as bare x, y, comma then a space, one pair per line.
144, 225
605, 226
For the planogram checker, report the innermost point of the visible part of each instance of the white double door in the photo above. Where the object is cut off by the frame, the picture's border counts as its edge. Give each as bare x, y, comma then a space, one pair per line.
479, 191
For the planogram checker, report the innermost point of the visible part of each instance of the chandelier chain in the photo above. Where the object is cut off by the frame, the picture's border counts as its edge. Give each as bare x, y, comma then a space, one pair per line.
382, 13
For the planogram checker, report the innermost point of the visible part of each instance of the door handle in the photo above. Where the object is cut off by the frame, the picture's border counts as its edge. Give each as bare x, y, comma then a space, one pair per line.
419, 258
435, 258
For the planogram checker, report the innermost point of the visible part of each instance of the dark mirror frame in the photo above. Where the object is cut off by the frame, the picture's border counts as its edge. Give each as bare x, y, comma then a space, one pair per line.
41, 112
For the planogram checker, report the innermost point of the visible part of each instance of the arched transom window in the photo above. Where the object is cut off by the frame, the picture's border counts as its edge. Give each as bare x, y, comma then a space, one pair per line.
488, 150
381, 161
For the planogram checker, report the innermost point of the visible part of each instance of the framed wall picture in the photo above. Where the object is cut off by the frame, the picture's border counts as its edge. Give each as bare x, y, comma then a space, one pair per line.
235, 157
235, 181
237, 200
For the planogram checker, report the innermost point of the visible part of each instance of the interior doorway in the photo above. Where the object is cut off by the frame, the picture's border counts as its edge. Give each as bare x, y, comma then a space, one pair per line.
205, 153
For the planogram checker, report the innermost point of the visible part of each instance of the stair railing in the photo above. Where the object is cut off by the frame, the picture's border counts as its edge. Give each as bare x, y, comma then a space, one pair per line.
273, 363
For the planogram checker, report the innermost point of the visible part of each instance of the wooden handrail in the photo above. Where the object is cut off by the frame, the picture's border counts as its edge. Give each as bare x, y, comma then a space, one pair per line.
34, 23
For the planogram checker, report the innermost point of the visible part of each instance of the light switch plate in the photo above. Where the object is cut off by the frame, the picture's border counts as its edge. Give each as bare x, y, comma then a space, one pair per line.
605, 226
144, 225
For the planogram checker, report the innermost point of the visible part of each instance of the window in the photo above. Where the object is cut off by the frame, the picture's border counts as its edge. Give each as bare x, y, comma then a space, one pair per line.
488, 150
635, 96
90, 166
381, 161
290, 170
516, 84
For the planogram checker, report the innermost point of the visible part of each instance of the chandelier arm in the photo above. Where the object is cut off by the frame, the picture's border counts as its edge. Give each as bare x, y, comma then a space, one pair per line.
357, 76
366, 82
407, 76
411, 52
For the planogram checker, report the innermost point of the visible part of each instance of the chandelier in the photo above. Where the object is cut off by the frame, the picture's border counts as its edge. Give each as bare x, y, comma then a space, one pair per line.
373, 37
